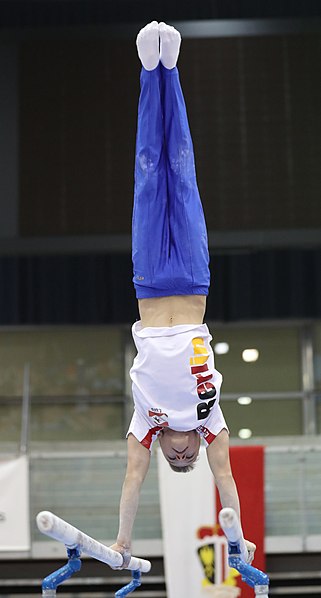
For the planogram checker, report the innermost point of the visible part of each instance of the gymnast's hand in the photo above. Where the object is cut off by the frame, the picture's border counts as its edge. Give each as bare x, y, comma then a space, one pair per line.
251, 548
125, 552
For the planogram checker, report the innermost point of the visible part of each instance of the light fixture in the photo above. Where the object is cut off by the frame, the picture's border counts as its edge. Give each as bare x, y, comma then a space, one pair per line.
221, 348
250, 355
244, 400
245, 433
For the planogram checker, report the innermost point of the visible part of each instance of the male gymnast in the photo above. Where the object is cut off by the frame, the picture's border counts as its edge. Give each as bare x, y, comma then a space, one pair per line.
175, 385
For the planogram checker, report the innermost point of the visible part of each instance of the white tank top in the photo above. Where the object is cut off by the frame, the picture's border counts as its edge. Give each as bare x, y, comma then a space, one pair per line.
175, 383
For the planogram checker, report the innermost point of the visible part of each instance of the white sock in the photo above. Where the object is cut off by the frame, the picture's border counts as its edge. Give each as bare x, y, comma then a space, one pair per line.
170, 42
148, 46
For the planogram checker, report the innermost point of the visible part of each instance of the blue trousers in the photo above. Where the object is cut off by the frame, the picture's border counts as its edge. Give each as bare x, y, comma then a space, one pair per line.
169, 237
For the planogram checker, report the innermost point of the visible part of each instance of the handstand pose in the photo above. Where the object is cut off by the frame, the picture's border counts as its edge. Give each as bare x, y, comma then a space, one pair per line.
176, 388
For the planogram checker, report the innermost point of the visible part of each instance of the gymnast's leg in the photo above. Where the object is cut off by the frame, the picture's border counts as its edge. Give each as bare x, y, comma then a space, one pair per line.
150, 239
188, 234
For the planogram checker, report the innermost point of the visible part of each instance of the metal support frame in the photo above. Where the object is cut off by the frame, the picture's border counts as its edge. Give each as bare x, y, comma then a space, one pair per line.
238, 553
76, 543
252, 576
52, 581
131, 587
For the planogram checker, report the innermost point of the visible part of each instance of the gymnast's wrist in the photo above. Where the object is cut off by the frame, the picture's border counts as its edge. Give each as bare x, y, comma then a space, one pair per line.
123, 542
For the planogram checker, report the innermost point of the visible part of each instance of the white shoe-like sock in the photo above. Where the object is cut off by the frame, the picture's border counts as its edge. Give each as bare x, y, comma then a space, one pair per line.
170, 42
148, 46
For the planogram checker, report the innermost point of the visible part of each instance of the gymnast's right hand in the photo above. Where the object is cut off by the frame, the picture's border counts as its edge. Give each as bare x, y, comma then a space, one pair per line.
125, 552
251, 548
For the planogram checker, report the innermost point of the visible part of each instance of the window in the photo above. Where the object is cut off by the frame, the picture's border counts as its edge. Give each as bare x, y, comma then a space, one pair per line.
262, 389
75, 385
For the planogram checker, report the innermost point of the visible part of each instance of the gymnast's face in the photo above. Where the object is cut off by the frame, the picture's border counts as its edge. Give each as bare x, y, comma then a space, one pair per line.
179, 448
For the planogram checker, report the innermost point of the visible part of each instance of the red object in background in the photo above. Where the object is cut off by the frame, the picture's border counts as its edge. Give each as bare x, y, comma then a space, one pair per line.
248, 471
208, 531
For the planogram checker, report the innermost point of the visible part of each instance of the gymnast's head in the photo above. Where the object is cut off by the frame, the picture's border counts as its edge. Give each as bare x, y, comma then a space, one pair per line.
180, 449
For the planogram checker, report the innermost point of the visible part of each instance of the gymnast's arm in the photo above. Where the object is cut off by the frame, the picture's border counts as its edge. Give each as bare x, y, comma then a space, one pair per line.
138, 459
219, 462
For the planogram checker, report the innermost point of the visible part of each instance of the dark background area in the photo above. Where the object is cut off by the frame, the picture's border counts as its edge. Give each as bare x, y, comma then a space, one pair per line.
254, 109
20, 13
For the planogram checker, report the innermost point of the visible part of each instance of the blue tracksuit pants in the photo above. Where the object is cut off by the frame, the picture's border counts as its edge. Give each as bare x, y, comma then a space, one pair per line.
169, 237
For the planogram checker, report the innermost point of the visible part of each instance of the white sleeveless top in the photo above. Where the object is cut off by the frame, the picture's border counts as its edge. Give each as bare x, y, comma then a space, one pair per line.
175, 383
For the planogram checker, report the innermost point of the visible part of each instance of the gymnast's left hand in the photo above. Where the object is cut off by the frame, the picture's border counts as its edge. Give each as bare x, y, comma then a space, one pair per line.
126, 554
251, 548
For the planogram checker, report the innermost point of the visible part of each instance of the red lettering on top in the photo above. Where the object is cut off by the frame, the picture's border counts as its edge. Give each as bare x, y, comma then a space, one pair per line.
205, 389
201, 378
197, 369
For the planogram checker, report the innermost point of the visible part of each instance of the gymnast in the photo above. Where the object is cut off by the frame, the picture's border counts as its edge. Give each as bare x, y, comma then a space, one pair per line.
176, 387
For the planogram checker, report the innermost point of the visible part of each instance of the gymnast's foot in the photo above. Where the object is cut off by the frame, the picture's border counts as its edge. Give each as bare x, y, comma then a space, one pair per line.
148, 46
170, 42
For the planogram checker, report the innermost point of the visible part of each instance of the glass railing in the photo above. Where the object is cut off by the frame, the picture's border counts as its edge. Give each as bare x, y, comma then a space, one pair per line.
84, 487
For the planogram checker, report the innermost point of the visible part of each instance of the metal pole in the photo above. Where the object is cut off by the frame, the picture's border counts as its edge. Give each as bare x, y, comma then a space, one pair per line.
24, 437
309, 407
